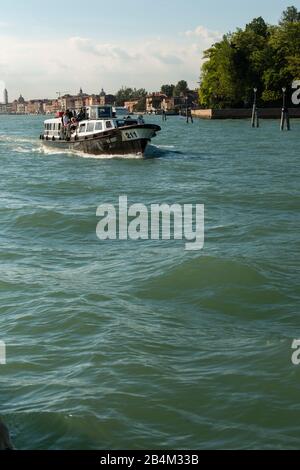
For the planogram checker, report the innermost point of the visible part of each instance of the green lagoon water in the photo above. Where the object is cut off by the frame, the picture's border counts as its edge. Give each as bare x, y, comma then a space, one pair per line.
143, 345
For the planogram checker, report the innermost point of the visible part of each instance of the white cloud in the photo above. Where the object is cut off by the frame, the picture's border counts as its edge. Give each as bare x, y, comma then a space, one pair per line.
168, 58
205, 34
40, 69
110, 51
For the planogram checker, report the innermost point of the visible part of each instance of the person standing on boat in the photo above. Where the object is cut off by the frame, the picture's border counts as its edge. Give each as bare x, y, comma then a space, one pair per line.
81, 115
73, 124
66, 118
67, 124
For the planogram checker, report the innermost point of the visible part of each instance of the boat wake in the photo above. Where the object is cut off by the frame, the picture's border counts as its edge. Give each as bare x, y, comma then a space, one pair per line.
164, 146
32, 145
17, 139
75, 153
160, 151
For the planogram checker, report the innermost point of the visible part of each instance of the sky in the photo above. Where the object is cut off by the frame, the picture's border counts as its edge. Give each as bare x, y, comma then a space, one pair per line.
55, 47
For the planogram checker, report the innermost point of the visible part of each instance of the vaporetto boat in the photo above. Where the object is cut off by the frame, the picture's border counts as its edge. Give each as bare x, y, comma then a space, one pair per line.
100, 132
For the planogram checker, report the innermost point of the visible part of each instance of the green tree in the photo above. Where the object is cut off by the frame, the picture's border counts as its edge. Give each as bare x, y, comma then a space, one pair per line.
284, 65
290, 15
167, 90
181, 88
139, 94
258, 26
124, 94
263, 56
219, 83
129, 94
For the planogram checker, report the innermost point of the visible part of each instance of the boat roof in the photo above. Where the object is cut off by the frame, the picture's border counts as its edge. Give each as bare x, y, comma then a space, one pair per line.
58, 120
52, 121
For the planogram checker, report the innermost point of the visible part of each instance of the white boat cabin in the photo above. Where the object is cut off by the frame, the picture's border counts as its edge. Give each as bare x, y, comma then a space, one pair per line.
97, 119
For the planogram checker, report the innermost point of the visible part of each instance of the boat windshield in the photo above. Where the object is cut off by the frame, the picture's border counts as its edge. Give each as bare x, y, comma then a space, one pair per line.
125, 122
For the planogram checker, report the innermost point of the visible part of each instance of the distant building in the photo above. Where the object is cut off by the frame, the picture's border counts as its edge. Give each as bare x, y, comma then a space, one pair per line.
178, 103
67, 102
5, 97
21, 105
154, 102
80, 100
4, 107
106, 99
173, 104
45, 106
34, 107
51, 106
93, 100
130, 105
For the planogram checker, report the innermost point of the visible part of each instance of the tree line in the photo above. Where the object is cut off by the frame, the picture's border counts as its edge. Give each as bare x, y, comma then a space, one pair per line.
134, 94
262, 56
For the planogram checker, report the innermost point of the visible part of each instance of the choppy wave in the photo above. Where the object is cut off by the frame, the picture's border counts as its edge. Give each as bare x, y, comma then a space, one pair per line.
140, 344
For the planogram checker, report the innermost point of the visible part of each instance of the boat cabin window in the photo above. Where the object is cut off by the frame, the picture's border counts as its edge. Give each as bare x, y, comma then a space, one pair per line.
52, 128
99, 112
81, 128
104, 111
98, 126
93, 113
90, 127
108, 125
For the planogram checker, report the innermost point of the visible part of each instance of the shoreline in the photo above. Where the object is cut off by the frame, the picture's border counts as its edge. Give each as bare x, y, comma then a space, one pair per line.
241, 113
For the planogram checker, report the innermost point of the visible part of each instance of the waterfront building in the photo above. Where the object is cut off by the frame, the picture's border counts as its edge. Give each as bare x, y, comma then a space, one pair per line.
5, 97
51, 106
67, 102
81, 100
93, 100
154, 102
106, 99
130, 105
173, 104
34, 107
177, 103
21, 105
5, 105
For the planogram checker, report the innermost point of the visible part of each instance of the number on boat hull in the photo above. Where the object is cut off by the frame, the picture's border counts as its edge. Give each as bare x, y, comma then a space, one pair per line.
130, 135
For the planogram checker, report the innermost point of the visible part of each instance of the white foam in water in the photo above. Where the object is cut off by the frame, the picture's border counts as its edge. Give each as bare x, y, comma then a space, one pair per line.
164, 146
16, 139
22, 150
49, 151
